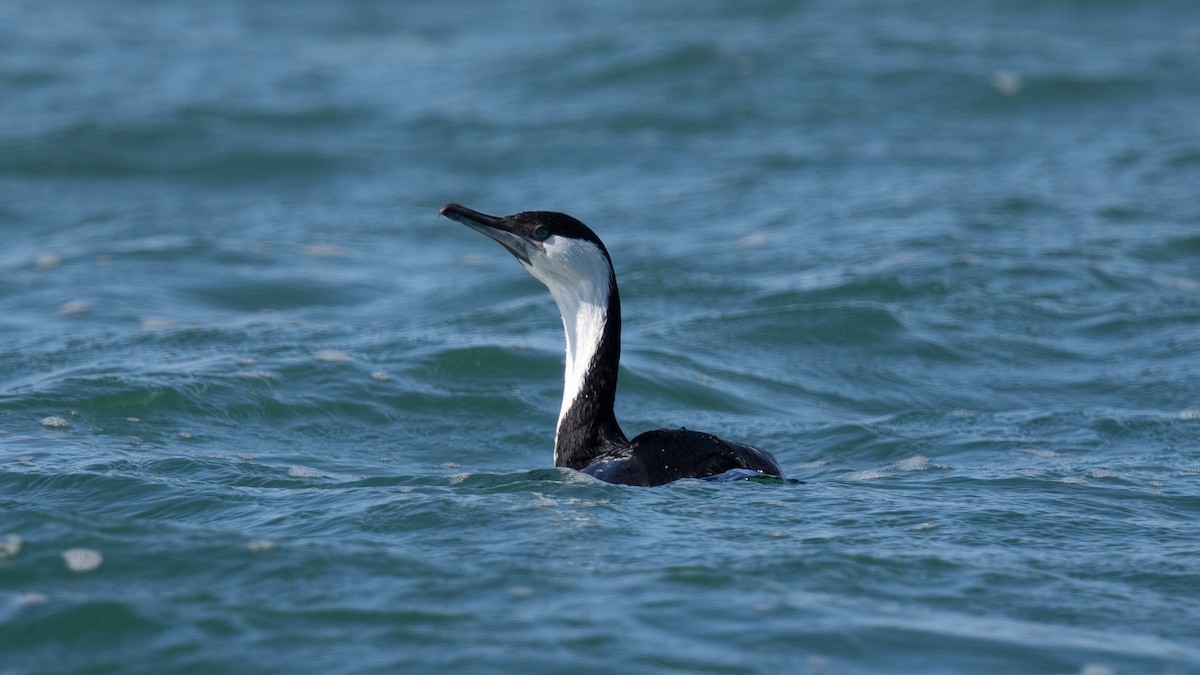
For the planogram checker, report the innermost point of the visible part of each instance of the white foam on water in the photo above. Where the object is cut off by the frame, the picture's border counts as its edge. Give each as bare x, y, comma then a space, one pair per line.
261, 545
257, 375
755, 240
1178, 283
869, 474
82, 559
10, 546
1007, 82
73, 307
332, 356
47, 261
815, 464
29, 599
156, 323
325, 251
917, 463
304, 472
55, 422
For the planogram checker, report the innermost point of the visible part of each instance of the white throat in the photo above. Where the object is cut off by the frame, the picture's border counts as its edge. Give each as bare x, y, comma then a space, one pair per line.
579, 277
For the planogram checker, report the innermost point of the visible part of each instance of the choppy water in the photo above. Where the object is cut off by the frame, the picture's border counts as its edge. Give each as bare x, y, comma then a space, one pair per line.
260, 409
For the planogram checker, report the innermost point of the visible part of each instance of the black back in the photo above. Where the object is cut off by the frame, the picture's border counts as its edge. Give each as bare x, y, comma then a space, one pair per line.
665, 455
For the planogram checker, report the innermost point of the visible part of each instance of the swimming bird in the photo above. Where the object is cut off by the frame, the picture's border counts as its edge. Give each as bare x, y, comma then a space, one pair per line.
568, 257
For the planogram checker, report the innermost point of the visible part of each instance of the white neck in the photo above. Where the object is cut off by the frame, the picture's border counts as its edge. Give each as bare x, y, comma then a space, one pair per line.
579, 277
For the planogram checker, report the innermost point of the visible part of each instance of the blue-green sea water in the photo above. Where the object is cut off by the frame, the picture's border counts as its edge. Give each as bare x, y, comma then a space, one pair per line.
262, 411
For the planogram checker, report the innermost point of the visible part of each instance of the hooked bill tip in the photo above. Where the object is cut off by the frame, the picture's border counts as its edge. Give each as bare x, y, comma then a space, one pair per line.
495, 227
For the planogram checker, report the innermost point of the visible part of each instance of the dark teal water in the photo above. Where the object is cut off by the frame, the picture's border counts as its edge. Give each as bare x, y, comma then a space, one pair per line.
942, 259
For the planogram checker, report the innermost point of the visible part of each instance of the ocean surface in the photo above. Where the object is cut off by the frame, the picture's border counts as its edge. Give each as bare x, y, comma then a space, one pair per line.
261, 410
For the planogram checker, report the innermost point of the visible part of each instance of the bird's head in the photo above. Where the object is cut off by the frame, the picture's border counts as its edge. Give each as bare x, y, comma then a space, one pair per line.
557, 249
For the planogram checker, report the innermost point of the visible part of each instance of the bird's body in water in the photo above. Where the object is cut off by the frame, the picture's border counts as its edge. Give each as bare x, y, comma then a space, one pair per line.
570, 259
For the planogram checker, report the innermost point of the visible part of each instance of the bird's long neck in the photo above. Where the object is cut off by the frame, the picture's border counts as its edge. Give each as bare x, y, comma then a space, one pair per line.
587, 425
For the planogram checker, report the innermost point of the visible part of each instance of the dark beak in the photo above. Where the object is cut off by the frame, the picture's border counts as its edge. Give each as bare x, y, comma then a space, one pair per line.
497, 228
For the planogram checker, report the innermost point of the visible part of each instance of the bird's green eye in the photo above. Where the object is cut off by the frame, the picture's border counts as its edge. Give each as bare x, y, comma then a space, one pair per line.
542, 233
